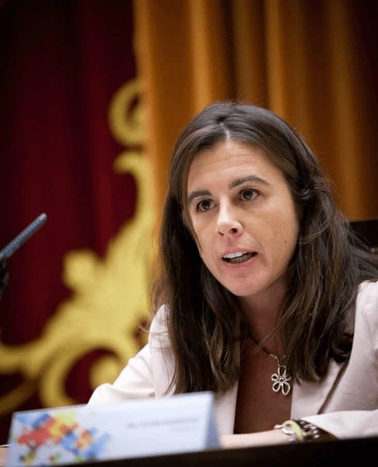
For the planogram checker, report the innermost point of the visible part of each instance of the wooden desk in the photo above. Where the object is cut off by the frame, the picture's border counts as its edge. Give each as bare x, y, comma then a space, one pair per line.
320, 454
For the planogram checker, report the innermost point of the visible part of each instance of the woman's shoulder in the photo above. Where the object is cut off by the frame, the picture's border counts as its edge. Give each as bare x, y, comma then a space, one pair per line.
159, 320
368, 290
367, 301
158, 332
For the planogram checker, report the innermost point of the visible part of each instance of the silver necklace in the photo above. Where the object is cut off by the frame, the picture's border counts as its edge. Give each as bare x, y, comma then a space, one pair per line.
281, 378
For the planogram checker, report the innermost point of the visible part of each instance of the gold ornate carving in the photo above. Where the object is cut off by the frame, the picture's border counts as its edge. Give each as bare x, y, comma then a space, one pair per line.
109, 295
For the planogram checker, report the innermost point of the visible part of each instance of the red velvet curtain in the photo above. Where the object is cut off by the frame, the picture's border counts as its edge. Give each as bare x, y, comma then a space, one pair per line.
61, 62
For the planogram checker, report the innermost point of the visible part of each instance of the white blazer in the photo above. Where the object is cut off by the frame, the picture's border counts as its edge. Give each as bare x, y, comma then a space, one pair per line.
344, 403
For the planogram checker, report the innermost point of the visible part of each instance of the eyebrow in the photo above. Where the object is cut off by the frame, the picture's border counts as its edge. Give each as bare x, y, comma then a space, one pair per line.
248, 178
235, 183
196, 194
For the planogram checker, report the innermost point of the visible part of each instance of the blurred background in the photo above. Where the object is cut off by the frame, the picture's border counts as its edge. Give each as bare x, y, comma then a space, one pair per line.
93, 94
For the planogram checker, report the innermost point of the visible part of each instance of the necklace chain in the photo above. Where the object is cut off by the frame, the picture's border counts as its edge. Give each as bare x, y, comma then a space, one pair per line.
281, 378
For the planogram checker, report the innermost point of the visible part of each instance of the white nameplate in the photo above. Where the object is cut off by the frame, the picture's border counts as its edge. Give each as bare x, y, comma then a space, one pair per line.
139, 428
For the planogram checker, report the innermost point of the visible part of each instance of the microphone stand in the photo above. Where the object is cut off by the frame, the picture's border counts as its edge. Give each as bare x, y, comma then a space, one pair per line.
14, 245
4, 277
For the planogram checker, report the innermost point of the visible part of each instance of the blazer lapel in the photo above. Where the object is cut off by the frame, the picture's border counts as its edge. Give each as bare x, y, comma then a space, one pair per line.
309, 398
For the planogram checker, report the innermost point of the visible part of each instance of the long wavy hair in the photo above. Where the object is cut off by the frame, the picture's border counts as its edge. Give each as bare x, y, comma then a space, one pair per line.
323, 276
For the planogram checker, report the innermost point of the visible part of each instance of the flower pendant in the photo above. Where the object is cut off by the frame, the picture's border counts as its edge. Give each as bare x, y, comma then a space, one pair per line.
281, 380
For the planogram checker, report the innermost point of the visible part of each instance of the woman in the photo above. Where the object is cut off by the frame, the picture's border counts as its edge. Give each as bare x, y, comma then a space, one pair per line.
265, 296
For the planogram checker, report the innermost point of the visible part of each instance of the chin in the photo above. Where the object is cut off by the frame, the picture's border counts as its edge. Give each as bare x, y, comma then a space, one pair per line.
242, 292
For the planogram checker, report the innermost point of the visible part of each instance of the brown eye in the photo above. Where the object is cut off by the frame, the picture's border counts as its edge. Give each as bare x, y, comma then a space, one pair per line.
248, 195
204, 205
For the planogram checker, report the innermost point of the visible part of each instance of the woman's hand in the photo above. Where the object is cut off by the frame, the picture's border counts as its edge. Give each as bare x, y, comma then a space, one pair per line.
254, 439
3, 454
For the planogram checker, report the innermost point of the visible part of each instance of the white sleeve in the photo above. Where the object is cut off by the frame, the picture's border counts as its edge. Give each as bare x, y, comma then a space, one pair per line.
147, 374
134, 381
347, 424
359, 423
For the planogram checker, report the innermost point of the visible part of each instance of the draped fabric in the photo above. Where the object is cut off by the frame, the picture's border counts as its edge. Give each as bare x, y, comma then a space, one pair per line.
314, 62
70, 144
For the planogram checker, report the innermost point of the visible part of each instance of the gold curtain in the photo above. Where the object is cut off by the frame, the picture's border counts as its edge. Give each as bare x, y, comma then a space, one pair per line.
314, 62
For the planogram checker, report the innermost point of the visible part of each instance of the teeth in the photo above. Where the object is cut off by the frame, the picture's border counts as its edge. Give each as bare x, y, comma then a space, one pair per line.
238, 257
234, 255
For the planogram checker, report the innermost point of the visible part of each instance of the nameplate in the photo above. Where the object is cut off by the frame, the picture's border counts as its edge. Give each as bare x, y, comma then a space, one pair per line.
139, 428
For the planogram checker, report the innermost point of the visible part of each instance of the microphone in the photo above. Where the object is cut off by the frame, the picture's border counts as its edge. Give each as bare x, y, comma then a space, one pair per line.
21, 238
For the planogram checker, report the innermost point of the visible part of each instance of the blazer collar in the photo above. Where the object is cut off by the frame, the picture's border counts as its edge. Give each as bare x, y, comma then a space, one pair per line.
309, 398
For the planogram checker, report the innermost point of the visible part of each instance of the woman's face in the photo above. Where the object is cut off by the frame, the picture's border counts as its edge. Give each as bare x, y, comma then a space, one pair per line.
244, 219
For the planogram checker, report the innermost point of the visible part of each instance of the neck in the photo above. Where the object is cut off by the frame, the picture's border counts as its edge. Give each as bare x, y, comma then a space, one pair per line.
266, 347
263, 311
262, 326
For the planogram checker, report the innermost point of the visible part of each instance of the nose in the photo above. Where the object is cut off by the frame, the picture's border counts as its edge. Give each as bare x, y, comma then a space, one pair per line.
228, 222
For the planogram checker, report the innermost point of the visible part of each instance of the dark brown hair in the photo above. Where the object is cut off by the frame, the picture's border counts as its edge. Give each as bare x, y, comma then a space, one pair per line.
328, 265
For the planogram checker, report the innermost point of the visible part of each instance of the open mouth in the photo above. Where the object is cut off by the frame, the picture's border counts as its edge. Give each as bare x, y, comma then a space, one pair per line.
238, 257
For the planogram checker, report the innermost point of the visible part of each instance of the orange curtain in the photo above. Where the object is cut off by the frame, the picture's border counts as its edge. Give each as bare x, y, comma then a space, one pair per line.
314, 62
